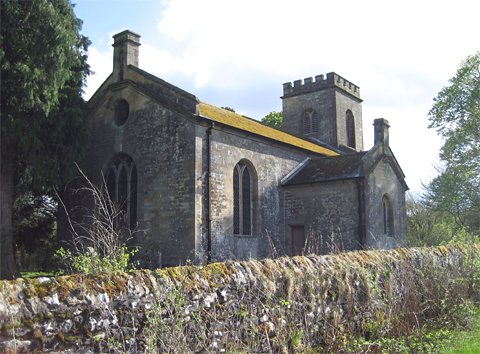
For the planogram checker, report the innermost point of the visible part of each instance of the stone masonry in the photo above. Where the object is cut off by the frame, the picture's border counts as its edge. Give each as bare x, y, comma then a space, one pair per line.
203, 184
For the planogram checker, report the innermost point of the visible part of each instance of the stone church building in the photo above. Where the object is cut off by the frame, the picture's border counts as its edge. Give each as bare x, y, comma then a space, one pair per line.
206, 184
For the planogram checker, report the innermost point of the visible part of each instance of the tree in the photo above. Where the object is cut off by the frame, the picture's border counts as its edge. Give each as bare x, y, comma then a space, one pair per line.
34, 231
273, 119
430, 227
43, 68
456, 117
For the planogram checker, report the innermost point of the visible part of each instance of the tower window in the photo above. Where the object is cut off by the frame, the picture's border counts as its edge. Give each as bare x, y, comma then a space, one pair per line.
122, 187
310, 121
306, 124
243, 193
350, 128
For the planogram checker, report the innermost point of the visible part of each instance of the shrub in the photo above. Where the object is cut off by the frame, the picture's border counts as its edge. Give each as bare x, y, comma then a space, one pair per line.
99, 241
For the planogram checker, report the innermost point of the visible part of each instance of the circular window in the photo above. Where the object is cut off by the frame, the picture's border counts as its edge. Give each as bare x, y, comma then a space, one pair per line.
122, 110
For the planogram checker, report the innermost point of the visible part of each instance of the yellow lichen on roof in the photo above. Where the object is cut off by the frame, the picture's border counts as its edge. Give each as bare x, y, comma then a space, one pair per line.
238, 121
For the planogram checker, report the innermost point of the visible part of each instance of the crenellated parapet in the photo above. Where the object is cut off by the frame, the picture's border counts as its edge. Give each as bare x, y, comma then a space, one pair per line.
320, 83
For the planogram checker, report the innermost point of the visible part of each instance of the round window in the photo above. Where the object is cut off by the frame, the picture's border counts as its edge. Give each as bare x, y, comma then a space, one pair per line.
122, 110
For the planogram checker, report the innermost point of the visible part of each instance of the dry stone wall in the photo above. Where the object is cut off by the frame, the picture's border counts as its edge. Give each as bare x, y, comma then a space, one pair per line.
279, 305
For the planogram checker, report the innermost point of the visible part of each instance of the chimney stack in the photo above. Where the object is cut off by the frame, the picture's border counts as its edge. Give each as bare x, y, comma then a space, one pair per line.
125, 52
381, 132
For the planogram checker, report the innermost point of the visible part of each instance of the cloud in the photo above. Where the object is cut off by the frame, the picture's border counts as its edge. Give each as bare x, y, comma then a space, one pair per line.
101, 65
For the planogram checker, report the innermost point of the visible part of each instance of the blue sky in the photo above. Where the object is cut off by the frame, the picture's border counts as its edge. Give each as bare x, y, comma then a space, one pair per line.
239, 53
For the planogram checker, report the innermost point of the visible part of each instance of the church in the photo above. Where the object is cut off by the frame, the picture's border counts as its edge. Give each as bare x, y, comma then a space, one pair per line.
206, 184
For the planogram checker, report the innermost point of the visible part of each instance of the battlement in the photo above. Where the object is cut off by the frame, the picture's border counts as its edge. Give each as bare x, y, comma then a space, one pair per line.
320, 83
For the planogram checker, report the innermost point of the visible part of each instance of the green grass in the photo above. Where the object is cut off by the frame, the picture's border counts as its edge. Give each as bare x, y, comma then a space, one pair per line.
466, 342
37, 274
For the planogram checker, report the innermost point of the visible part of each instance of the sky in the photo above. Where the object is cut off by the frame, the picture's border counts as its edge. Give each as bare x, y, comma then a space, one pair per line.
239, 53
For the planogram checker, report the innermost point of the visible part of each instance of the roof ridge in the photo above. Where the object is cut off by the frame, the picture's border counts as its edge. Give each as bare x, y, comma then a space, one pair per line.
254, 126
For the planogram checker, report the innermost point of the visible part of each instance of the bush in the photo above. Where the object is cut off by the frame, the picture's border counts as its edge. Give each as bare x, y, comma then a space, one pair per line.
99, 241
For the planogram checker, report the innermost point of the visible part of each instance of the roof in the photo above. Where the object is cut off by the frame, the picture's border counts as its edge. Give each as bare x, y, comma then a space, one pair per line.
238, 121
343, 167
328, 169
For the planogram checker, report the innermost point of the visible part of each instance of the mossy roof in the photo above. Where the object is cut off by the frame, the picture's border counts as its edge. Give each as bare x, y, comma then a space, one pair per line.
238, 121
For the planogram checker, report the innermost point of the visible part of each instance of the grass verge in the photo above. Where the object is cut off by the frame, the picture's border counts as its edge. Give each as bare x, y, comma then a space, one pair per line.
467, 341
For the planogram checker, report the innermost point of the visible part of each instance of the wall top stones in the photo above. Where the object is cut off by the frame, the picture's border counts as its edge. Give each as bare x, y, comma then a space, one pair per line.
320, 83
197, 309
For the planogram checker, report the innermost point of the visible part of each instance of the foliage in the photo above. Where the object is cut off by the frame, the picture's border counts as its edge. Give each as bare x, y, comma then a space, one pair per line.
43, 63
88, 261
33, 214
34, 229
426, 341
37, 274
229, 109
449, 209
43, 68
467, 341
455, 194
456, 117
427, 226
99, 240
273, 119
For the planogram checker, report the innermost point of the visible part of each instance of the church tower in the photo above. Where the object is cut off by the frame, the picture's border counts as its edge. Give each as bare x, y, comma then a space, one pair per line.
326, 110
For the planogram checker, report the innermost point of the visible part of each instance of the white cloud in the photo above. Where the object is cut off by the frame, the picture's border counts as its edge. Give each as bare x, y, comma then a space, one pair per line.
101, 66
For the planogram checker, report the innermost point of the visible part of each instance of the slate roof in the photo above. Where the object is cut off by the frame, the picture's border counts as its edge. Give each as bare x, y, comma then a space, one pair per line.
326, 169
238, 121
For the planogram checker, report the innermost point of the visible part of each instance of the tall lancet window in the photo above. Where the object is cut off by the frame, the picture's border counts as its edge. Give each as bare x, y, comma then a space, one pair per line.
387, 216
243, 197
350, 127
122, 187
310, 121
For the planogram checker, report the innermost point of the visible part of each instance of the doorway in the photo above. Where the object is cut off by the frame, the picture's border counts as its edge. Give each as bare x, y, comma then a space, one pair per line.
298, 239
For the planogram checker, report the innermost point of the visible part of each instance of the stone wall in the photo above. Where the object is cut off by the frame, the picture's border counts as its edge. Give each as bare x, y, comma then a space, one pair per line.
281, 305
344, 102
159, 139
329, 213
382, 181
330, 98
270, 161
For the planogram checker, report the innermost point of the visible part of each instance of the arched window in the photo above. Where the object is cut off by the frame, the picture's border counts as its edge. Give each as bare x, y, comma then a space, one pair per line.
350, 127
310, 121
243, 196
314, 122
387, 216
306, 124
122, 187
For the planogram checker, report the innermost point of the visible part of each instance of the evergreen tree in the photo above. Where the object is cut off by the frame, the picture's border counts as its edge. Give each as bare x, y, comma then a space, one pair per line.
43, 69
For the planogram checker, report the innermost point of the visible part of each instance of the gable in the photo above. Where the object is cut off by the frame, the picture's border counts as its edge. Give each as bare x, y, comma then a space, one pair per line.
343, 167
150, 86
328, 169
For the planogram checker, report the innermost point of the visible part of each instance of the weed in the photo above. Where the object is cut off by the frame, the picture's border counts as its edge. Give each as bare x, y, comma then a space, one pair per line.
99, 242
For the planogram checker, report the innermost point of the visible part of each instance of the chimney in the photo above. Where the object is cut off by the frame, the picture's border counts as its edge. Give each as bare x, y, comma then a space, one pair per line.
125, 52
381, 132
